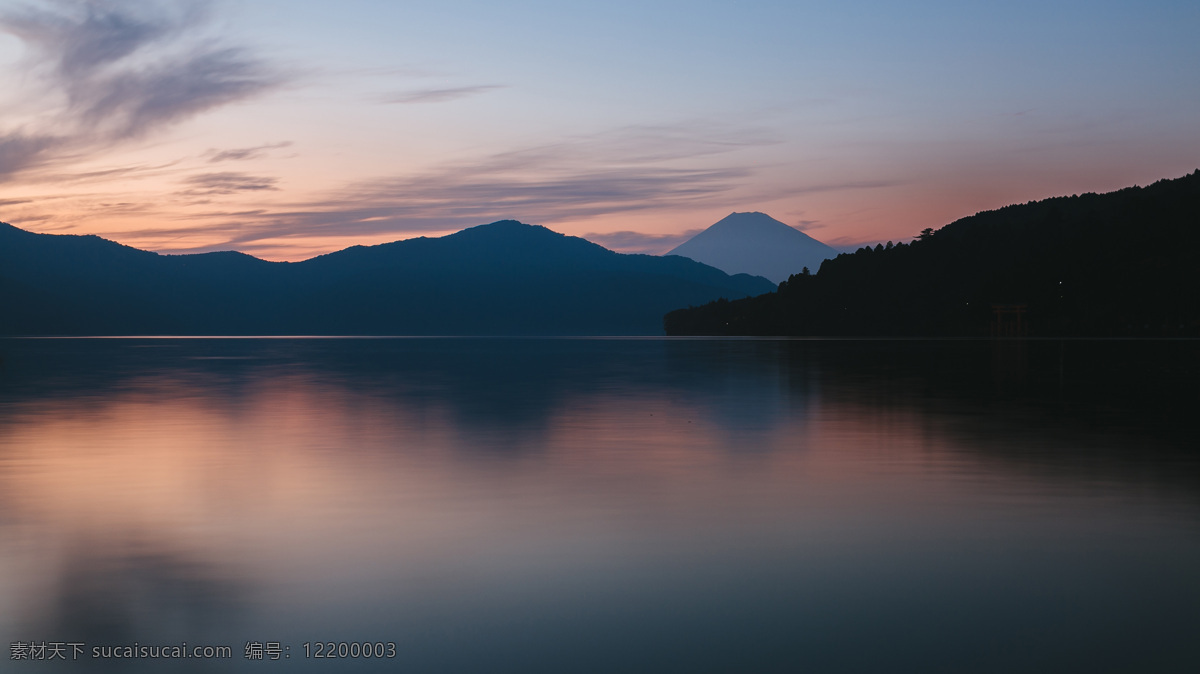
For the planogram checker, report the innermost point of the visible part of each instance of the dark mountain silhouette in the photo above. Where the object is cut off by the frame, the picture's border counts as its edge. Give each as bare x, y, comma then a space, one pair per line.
755, 243
502, 278
1116, 264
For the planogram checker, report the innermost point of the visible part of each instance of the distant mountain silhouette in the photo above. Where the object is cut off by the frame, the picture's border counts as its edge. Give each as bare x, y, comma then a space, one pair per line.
503, 278
757, 244
1117, 264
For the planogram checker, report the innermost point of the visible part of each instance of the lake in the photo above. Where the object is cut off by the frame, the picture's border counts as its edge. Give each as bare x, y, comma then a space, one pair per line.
600, 505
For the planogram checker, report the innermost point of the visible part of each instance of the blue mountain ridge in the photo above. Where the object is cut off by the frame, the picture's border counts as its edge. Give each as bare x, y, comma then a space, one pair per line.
504, 278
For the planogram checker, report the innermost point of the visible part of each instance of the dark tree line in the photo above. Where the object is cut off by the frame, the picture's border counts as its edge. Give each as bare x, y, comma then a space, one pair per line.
1116, 264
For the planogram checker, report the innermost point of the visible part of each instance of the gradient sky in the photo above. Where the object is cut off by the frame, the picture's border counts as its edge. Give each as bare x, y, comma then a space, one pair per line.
287, 128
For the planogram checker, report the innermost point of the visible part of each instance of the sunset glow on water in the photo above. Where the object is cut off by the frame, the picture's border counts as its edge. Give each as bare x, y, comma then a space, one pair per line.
511, 504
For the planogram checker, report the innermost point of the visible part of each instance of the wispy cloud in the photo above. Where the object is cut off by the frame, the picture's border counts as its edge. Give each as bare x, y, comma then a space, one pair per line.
637, 242
19, 151
440, 95
245, 153
122, 69
637, 169
82, 37
575, 179
114, 173
135, 103
448, 201
652, 143
227, 183
453, 200
848, 185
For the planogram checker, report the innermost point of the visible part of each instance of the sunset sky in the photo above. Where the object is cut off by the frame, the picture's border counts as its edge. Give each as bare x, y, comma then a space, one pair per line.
288, 128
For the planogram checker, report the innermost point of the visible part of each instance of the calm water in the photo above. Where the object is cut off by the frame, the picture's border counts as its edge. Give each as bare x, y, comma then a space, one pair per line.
508, 505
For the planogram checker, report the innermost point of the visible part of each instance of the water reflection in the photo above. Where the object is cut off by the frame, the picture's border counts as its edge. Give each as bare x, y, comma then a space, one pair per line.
113, 590
600, 505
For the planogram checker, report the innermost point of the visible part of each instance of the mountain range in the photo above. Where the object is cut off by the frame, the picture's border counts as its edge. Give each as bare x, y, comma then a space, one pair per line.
755, 243
504, 278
